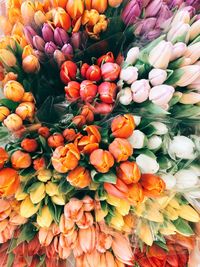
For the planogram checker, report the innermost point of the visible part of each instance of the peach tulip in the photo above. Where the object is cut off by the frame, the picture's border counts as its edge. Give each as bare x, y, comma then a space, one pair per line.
20, 160
66, 225
89, 235
102, 160
7, 58
26, 110
123, 126
74, 209
14, 91
135, 194
31, 64
4, 112
86, 221
129, 172
121, 149
119, 190
5, 209
3, 157
13, 122
79, 177
104, 242
88, 203
45, 236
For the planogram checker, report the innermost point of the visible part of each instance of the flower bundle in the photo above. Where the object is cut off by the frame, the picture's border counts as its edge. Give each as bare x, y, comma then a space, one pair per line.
99, 164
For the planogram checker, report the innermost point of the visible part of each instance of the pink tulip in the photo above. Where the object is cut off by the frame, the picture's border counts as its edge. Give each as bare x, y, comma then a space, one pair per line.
129, 75
153, 8
157, 76
140, 90
131, 12
88, 203
164, 14
145, 26
195, 84
45, 236
5, 209
161, 95
110, 71
74, 209
86, 221
178, 50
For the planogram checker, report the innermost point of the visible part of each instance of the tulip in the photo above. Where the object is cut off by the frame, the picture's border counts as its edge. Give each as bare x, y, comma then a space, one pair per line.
157, 76
51, 189
37, 193
152, 185
39, 18
13, 91
75, 8
38, 43
28, 97
188, 213
9, 182
20, 160
3, 157
74, 210
4, 112
131, 12
84, 69
79, 121
120, 149
114, 3
106, 59
181, 16
160, 55
128, 172
29, 33
61, 19
69, 135
72, 91
31, 64
169, 179
100, 6
87, 113
88, 91
102, 108
179, 32
8, 77
60, 37
76, 39
39, 164
107, 92
68, 71
89, 233
27, 209
93, 73
137, 139
44, 219
153, 8
13, 122
161, 95
47, 32
123, 126
182, 147
135, 194
27, 11
67, 50
190, 98
56, 140
29, 145
44, 175
195, 84
178, 50
194, 30
129, 75
161, 128
140, 90
110, 71
79, 177
102, 160
118, 190
132, 55
193, 52
145, 26
7, 58
45, 236
65, 158
147, 164
154, 142
25, 110
44, 131
59, 199
50, 48
186, 179
125, 96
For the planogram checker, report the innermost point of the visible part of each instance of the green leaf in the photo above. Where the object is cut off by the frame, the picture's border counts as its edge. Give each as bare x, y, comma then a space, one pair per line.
162, 245
42, 260
175, 99
13, 245
108, 177
27, 85
55, 211
183, 227
10, 260
151, 108
27, 234
146, 152
175, 64
175, 77
9, 103
149, 130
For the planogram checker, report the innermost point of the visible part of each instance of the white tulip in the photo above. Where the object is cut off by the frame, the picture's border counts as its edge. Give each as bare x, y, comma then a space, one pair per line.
129, 75
157, 76
194, 193
154, 142
147, 164
182, 147
137, 119
186, 179
160, 127
137, 139
125, 96
132, 55
169, 180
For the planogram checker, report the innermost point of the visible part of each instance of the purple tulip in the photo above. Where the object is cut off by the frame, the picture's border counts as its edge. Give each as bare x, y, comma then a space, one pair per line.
47, 33
152, 35
153, 8
174, 3
50, 48
29, 33
75, 40
38, 43
194, 3
40, 55
131, 12
164, 14
67, 50
60, 37
145, 26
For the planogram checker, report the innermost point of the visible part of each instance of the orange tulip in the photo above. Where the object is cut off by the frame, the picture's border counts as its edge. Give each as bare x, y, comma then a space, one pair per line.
59, 3
114, 3
28, 11
56, 140
135, 194
9, 182
44, 131
7, 58
67, 226
29, 145
121, 149
119, 190
30, 64
8, 77
13, 122
129, 172
89, 235
26, 110
75, 8
153, 185
79, 121
98, 27
87, 113
86, 221
21, 160
3, 157
28, 97
4, 112
39, 164
100, 5
5, 209
123, 126
79, 177
102, 160
69, 135
5, 25
13, 91
61, 19
90, 17
65, 158
74, 210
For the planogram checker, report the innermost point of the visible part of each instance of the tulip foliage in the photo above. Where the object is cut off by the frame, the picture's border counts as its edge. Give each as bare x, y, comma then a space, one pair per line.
99, 114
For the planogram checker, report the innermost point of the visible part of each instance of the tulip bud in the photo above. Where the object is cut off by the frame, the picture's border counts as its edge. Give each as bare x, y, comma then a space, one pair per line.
106, 59
55, 140
37, 193
27, 51
59, 57
147, 164
140, 90
154, 142
13, 122
79, 121
190, 74
29, 33
20, 160
7, 58
88, 91
20, 195
160, 55
39, 18
194, 30
75, 8
75, 40
153, 8
47, 33
193, 52
181, 16
44, 175
60, 37
110, 71
68, 71
125, 96
67, 50
195, 85
72, 91
157, 76
186, 179
31, 64
114, 3
131, 12
13, 91
59, 199
137, 139
51, 189
179, 32
87, 113
27, 208
27, 12
161, 128
4, 112
129, 75
61, 19
28, 97
169, 179
182, 147
178, 50
38, 43
107, 92
161, 95
50, 48
39, 164
103, 108
93, 73
44, 219
26, 110
29, 145
190, 98
132, 55
44, 131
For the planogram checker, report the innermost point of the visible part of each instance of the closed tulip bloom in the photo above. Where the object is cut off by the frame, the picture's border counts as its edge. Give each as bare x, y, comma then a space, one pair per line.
88, 90
79, 177
190, 98
27, 11
123, 126
44, 219
39, 164
114, 3
29, 33
39, 18
129, 75
128, 172
69, 134
153, 185
137, 139
37, 194
193, 52
107, 92
68, 71
44, 175
88, 234
182, 147
132, 55
14, 91
60, 37
161, 95
28, 97
102, 160
147, 164
181, 16
55, 140
47, 32
125, 96
7, 58
109, 57
157, 76
38, 43
179, 31
100, 6
68, 51
21, 160
44, 131
154, 142
31, 64
29, 145
153, 8
93, 73
27, 208
3, 157
140, 90
121, 149
79, 121
13, 122
26, 110
87, 113
9, 182
75, 8
160, 55
72, 91
169, 179
110, 71
194, 29
135, 194
65, 158
186, 178
178, 50
190, 74
61, 19
50, 48
45, 236
4, 112
131, 12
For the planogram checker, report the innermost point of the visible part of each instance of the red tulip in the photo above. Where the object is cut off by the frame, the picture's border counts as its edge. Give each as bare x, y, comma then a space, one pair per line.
88, 91
93, 73
72, 91
106, 58
84, 69
68, 71
110, 71
107, 92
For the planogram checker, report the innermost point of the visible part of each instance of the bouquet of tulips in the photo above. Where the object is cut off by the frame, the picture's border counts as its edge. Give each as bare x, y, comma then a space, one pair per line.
99, 134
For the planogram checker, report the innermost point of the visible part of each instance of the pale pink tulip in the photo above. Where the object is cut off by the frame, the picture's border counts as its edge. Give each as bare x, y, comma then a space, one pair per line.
125, 96
88, 203
74, 209
89, 235
45, 236
157, 76
195, 84
66, 225
178, 50
129, 75
161, 95
140, 90
193, 52
17, 219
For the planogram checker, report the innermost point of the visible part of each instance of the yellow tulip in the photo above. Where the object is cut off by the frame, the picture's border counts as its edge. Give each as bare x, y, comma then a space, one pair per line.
44, 219
51, 189
14, 15
117, 221
59, 199
153, 215
37, 194
168, 229
112, 200
27, 51
44, 175
17, 29
124, 207
100, 214
171, 213
27, 208
4, 112
145, 233
190, 98
20, 195
39, 18
7, 58
188, 213
174, 203
28, 12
